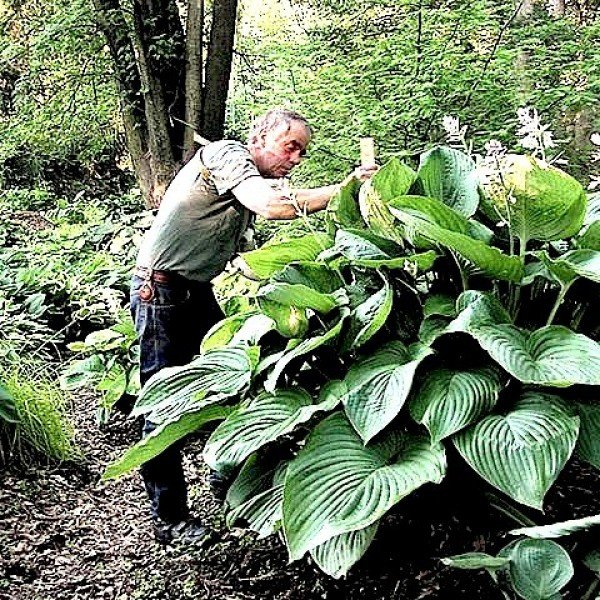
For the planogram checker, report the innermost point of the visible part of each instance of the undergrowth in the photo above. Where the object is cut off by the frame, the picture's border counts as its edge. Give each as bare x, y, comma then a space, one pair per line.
43, 431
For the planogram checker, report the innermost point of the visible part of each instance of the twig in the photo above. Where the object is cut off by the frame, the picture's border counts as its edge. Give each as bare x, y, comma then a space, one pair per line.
271, 575
492, 53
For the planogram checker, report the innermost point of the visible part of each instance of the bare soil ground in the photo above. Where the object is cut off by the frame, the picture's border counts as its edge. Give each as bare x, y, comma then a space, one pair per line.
64, 534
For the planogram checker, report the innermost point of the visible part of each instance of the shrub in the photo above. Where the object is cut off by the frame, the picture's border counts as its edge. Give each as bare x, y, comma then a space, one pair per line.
440, 308
110, 365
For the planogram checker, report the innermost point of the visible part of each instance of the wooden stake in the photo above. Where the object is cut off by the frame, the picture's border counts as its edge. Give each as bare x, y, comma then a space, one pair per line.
367, 152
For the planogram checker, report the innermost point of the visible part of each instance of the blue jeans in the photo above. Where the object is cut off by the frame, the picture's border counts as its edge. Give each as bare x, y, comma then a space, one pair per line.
170, 327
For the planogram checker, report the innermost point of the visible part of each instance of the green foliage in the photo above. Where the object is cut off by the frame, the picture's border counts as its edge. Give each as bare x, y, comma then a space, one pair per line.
375, 355
7, 406
39, 427
399, 354
535, 569
392, 69
558, 529
110, 366
72, 274
64, 276
59, 106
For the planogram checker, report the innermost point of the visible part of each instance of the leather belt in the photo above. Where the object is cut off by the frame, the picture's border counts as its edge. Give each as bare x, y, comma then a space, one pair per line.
165, 277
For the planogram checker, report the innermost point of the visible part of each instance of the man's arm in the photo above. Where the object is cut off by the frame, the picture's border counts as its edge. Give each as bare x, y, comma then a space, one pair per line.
257, 195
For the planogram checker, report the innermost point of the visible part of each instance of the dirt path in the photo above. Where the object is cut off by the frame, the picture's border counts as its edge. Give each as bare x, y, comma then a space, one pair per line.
66, 535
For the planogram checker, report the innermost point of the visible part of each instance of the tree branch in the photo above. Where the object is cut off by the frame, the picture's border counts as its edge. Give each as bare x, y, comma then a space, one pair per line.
492, 53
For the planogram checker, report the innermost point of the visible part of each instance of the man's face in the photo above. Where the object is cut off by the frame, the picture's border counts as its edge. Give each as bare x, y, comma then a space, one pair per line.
281, 149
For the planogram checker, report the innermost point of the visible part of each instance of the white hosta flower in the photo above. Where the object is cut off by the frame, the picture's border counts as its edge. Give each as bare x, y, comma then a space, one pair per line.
455, 133
531, 126
494, 148
451, 124
595, 139
534, 135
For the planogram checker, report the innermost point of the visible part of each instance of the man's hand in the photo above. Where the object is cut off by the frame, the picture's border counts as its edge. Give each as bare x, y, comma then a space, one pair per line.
363, 173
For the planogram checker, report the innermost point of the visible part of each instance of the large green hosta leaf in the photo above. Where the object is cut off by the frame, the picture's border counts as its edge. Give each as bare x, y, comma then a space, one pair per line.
255, 476
393, 179
355, 244
299, 295
447, 401
342, 210
486, 258
450, 176
439, 304
431, 210
261, 513
432, 328
573, 264
169, 432
296, 349
368, 317
259, 421
337, 485
290, 321
337, 555
538, 569
411, 263
225, 372
476, 309
522, 453
539, 201
267, 260
588, 445
245, 328
377, 386
314, 275
590, 238
553, 355
258, 496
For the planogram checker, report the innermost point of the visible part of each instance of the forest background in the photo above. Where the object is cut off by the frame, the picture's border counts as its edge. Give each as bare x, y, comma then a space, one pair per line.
388, 69
94, 98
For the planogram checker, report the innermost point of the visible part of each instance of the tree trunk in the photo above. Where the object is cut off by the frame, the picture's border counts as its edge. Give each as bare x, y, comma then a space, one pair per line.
526, 9
159, 75
137, 145
218, 67
110, 18
557, 8
193, 71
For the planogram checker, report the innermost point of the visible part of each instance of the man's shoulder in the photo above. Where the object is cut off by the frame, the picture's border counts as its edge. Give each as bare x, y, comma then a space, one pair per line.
225, 151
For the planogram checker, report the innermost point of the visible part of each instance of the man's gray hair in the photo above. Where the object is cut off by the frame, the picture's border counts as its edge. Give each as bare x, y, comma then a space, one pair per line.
271, 120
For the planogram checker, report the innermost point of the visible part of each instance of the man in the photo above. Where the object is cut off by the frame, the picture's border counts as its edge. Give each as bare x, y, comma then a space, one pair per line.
204, 213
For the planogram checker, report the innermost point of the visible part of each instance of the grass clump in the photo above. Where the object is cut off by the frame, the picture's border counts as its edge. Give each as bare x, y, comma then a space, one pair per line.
42, 431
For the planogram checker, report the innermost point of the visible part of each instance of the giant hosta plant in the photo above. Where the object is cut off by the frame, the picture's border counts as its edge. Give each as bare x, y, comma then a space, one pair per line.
435, 312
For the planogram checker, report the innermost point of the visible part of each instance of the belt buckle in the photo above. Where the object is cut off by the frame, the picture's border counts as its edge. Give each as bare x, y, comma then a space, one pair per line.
146, 291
